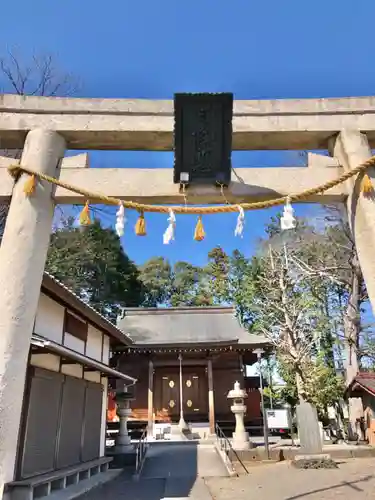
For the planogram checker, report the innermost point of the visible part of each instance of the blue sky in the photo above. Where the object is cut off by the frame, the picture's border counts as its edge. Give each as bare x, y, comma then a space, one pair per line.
255, 49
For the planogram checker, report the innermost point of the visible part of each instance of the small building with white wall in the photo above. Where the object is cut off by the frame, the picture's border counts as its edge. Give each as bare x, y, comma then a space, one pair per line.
63, 422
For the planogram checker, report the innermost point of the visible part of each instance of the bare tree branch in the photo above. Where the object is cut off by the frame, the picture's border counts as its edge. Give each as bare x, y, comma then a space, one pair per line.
36, 77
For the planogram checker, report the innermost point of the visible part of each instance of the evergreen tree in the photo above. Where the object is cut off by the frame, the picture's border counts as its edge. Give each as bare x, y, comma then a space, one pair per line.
217, 271
91, 262
156, 276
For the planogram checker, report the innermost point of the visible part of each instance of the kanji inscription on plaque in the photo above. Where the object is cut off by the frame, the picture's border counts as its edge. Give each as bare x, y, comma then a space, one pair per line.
203, 138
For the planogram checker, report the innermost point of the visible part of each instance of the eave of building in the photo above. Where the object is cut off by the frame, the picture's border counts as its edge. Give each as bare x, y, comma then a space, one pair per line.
357, 386
63, 295
198, 348
40, 344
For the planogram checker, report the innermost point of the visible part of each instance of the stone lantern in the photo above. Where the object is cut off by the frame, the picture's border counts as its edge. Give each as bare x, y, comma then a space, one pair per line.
122, 441
241, 439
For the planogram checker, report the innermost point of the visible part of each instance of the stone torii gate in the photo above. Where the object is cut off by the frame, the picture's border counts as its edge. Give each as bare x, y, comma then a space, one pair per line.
45, 127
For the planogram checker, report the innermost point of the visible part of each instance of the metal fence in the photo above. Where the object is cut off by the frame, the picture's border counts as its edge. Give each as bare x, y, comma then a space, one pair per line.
140, 451
227, 448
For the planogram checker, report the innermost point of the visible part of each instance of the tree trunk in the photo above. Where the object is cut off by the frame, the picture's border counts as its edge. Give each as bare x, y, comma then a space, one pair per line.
300, 386
352, 327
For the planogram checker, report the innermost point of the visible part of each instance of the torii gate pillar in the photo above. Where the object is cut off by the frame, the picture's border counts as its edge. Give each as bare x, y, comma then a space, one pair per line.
23, 254
351, 148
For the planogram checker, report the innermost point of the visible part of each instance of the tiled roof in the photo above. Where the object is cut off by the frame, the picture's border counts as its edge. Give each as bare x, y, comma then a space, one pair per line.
186, 325
55, 287
364, 381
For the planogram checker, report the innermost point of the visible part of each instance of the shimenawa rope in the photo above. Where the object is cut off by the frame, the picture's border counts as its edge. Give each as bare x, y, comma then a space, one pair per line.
15, 170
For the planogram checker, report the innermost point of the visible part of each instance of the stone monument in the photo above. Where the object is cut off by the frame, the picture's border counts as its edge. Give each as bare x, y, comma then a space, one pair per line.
124, 451
241, 439
123, 440
309, 433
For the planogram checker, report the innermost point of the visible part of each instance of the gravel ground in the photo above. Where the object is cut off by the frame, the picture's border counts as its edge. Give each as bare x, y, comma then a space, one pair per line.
354, 479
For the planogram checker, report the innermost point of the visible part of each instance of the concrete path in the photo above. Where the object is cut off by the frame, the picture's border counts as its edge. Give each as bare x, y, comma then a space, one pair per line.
182, 460
183, 466
353, 480
171, 472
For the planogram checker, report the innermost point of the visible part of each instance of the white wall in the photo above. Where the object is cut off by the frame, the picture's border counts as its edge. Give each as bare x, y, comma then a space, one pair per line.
72, 370
93, 377
47, 361
71, 342
49, 321
105, 358
94, 343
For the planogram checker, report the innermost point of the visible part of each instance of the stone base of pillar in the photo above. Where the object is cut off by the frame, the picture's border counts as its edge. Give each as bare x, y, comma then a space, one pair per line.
176, 433
122, 442
241, 441
183, 426
212, 435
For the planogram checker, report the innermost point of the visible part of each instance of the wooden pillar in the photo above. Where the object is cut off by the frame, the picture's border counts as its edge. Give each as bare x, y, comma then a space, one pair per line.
150, 398
211, 401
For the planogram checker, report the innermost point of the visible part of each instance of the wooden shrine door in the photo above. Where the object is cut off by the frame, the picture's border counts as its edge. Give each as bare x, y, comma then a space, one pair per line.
191, 395
195, 393
170, 394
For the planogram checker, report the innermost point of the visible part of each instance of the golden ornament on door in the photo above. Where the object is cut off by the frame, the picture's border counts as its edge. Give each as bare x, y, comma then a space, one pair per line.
171, 403
189, 403
188, 383
171, 384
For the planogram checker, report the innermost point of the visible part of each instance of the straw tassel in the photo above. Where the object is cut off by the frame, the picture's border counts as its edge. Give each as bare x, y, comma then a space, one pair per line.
84, 217
30, 185
140, 226
199, 233
367, 187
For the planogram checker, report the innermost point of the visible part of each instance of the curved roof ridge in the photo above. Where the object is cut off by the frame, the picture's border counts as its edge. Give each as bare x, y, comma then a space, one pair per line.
135, 311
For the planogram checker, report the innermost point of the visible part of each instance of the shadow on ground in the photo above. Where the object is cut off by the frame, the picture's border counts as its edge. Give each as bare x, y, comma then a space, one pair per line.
170, 471
351, 484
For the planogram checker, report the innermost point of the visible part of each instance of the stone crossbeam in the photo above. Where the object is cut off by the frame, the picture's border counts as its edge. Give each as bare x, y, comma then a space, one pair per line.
155, 185
140, 124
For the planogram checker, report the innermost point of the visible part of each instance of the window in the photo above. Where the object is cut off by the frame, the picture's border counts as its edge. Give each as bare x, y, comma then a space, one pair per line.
76, 327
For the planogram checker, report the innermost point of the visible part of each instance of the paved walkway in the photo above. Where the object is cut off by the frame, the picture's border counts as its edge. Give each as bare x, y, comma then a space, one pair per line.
171, 472
182, 460
188, 472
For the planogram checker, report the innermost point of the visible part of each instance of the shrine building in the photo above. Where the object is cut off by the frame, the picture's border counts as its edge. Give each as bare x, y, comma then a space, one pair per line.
196, 353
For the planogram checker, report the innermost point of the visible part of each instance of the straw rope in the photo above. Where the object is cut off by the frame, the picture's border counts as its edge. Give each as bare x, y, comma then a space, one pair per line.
15, 170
